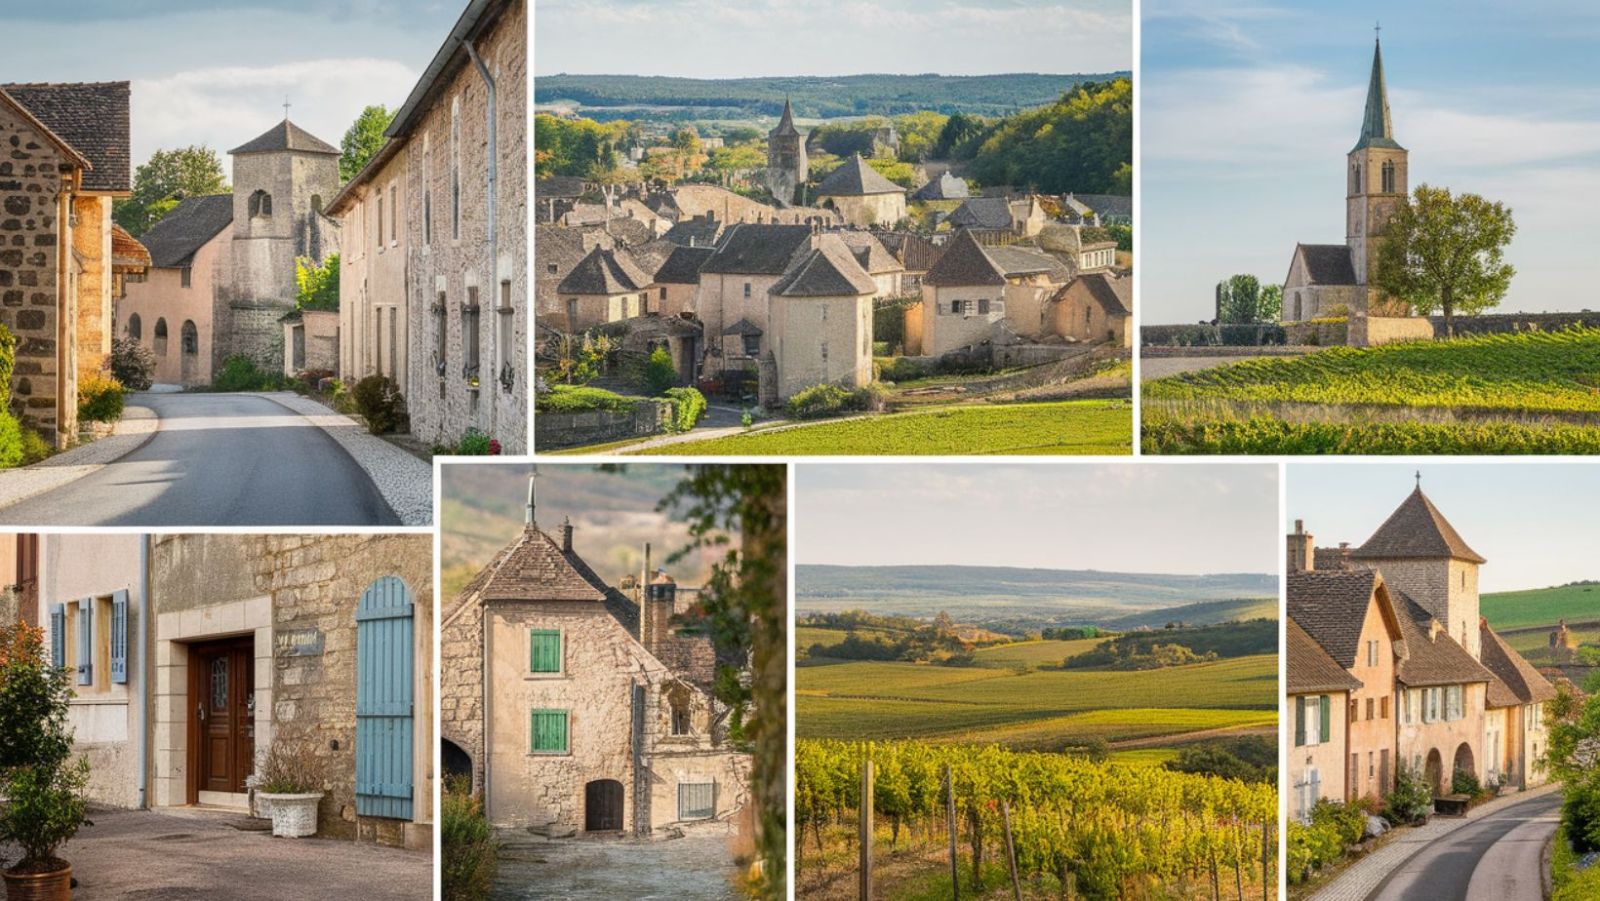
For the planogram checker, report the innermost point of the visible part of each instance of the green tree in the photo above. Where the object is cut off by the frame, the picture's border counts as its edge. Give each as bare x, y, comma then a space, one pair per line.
1269, 307
317, 287
687, 140
362, 140
166, 178
958, 130
1240, 299
1446, 252
919, 134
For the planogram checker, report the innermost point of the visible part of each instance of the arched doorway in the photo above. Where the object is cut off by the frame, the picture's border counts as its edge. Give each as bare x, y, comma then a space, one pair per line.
457, 762
1433, 771
1463, 762
602, 806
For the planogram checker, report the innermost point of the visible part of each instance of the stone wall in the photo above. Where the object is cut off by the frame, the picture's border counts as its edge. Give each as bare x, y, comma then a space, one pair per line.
461, 683
91, 245
1326, 333
1501, 323
1370, 331
553, 431
30, 237
163, 296
821, 340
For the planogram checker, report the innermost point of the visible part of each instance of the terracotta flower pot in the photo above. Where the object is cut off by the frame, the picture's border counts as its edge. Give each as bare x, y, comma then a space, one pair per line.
52, 886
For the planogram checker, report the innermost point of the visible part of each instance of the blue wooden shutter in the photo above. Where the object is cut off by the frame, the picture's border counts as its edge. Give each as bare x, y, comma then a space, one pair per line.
86, 641
384, 665
58, 635
119, 637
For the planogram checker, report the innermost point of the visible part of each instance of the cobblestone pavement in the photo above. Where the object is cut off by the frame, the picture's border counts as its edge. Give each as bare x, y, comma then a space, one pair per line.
1364, 876
613, 869
193, 855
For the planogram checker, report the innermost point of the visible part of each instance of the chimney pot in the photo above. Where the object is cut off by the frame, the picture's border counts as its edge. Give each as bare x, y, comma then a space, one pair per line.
566, 535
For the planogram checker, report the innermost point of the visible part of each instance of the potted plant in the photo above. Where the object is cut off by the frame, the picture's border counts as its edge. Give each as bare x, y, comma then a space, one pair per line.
43, 789
291, 789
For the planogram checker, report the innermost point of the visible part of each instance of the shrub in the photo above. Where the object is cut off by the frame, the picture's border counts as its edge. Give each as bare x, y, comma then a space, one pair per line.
468, 850
44, 793
380, 403
688, 405
1412, 798
132, 364
474, 443
1465, 782
901, 369
1580, 813
578, 399
34, 447
289, 769
830, 400
1310, 847
240, 373
100, 399
11, 441
660, 373
1348, 821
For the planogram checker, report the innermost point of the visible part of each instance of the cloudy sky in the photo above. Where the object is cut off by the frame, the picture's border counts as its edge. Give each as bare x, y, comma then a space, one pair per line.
1249, 109
1180, 518
1349, 501
218, 77
747, 38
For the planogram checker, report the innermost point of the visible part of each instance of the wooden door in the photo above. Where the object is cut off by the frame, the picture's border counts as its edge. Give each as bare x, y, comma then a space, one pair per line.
222, 712
602, 806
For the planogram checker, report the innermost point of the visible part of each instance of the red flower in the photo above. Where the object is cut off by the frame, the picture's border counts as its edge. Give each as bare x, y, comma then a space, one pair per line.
494, 447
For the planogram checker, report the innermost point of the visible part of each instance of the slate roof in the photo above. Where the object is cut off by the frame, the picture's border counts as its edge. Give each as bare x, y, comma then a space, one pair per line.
554, 186
854, 178
652, 255
91, 118
697, 231
785, 128
1377, 129
1516, 681
945, 187
829, 270
1115, 295
1436, 660
1416, 529
982, 212
285, 136
1308, 668
743, 327
915, 253
1016, 260
533, 568
964, 263
758, 249
1330, 607
1109, 206
870, 252
174, 240
683, 266
605, 271
1328, 264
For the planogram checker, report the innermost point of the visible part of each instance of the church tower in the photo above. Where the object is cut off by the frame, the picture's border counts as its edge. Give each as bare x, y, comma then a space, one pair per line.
787, 168
1375, 179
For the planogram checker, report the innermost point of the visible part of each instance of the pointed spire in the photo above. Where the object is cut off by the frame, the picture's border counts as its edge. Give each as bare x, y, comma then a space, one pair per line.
1377, 129
786, 122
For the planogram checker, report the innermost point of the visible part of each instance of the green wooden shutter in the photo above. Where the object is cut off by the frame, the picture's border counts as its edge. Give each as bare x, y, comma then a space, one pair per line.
1299, 722
1327, 716
544, 650
549, 731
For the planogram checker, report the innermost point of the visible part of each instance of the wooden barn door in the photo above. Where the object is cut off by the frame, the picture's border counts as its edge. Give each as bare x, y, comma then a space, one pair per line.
602, 806
384, 666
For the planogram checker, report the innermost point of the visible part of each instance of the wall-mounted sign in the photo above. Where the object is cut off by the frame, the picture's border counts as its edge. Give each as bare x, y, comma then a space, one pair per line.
298, 642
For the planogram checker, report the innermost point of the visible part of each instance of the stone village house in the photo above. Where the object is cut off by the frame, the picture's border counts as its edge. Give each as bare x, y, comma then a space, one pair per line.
191, 654
577, 705
66, 158
434, 290
1437, 691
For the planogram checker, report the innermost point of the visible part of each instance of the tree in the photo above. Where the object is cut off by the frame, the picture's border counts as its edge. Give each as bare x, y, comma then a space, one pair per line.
687, 140
362, 140
958, 130
168, 177
317, 286
1270, 305
1240, 299
1446, 252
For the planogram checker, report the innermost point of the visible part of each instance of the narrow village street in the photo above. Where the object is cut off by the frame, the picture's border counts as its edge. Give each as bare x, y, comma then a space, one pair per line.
612, 869
1496, 858
225, 459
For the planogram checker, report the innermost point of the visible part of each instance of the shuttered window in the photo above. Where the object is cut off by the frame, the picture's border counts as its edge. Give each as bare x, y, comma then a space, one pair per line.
119, 638
58, 635
549, 732
544, 650
86, 641
696, 800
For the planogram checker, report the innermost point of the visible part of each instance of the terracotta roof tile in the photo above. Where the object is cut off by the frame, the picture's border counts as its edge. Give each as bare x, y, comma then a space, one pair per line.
1431, 656
1308, 668
534, 568
1416, 529
93, 119
1330, 607
854, 178
1516, 681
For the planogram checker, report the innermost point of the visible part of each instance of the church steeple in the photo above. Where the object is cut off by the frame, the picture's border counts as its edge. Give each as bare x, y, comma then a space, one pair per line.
1377, 129
786, 122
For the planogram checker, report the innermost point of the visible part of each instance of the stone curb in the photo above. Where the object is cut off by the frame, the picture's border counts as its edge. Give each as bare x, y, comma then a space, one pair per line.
138, 425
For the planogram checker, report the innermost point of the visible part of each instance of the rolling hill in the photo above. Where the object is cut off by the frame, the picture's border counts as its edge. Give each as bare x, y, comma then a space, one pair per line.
1541, 606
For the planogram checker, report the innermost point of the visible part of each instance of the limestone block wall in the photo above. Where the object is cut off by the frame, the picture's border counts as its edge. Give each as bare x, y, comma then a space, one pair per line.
722, 301
91, 245
558, 430
944, 331
728, 771
31, 293
869, 209
821, 340
461, 683
1370, 331
1446, 588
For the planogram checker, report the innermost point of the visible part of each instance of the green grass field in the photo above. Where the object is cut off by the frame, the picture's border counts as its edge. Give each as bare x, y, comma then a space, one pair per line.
880, 701
1530, 392
1066, 427
1541, 606
1033, 653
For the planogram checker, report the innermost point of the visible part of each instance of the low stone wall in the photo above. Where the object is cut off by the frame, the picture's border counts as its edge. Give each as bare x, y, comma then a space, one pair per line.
1207, 335
1370, 331
1503, 323
1271, 350
1325, 333
553, 431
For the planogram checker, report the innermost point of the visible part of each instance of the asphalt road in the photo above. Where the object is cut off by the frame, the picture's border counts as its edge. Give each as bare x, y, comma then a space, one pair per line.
218, 460
1497, 858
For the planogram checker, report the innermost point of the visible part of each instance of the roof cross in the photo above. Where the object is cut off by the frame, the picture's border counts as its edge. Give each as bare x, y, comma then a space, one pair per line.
1377, 31
1419, 479
286, 107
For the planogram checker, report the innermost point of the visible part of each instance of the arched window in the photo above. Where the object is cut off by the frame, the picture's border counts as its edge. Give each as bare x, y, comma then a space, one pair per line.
191, 338
1355, 179
1388, 177
260, 204
316, 203
135, 327
161, 336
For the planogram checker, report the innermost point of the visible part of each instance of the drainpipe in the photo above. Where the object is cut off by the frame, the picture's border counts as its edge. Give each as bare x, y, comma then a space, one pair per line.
494, 236
144, 672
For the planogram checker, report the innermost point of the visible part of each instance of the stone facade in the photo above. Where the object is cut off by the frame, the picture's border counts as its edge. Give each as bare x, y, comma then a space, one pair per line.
170, 303
1316, 767
311, 342
373, 324
1446, 588
864, 210
821, 341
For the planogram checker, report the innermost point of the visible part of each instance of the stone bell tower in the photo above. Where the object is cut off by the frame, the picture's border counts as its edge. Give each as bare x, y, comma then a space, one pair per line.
1375, 180
787, 167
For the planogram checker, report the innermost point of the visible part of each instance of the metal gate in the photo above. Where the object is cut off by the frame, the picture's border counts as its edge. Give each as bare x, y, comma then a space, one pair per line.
384, 667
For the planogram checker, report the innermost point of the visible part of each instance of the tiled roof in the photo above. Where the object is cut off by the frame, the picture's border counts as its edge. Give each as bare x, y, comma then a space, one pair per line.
1017, 260
915, 253
286, 136
1516, 681
683, 266
605, 271
1330, 607
785, 127
1308, 668
1416, 529
854, 178
1432, 657
758, 249
533, 568
1115, 295
743, 327
964, 262
982, 212
1328, 264
126, 251
194, 221
830, 270
1377, 130
697, 231
870, 252
945, 187
1109, 206
90, 117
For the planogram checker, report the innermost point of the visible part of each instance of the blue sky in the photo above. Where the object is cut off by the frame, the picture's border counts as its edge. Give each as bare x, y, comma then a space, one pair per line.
218, 77
1534, 522
748, 38
1175, 518
1248, 110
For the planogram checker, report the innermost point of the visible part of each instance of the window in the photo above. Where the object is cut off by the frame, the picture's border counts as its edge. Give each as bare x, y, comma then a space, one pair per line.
394, 343
1372, 653
572, 314
824, 310
470, 336
427, 192
983, 306
663, 293
746, 289
316, 203
394, 214
377, 340
752, 345
441, 336
380, 222
824, 351
680, 717
506, 350
1312, 719
1371, 707
548, 732
696, 800
260, 204
544, 650
1455, 709
956, 306
455, 169
1388, 177
1431, 705
1383, 707
135, 327
89, 637
161, 337
186, 277
190, 338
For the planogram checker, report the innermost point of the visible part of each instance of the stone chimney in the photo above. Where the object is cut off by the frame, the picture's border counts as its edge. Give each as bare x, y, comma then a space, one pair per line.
1302, 549
566, 535
660, 603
